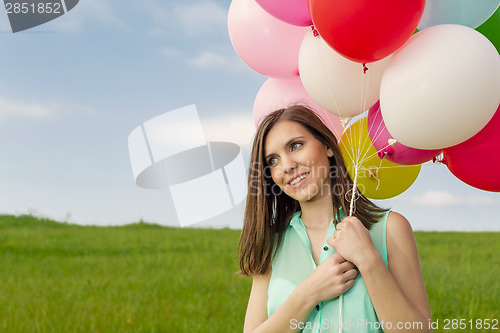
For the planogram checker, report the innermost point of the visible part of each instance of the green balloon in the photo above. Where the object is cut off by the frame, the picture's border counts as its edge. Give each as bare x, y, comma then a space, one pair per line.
491, 29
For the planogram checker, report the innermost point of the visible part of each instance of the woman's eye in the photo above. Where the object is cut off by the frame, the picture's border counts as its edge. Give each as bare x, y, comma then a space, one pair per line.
272, 160
296, 145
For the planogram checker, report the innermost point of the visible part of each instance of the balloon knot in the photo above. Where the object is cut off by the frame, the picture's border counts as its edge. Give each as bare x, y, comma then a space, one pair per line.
439, 159
364, 68
392, 142
385, 151
315, 32
373, 173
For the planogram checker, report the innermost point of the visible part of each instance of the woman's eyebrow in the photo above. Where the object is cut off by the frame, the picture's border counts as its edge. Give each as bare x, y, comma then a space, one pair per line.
286, 144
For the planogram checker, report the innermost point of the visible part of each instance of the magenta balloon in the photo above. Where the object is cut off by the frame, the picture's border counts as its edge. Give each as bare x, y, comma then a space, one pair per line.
476, 161
294, 12
399, 153
280, 93
266, 44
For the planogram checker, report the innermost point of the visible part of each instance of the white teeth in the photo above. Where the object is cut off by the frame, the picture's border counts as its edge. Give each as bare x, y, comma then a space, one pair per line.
298, 179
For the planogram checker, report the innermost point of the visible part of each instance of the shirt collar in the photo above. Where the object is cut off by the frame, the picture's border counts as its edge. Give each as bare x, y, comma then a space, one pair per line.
296, 221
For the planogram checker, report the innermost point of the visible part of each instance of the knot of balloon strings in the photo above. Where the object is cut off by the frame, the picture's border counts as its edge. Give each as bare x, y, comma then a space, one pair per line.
373, 173
345, 121
315, 32
364, 68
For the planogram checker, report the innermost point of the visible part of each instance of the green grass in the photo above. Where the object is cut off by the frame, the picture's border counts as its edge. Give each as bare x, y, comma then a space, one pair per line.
56, 277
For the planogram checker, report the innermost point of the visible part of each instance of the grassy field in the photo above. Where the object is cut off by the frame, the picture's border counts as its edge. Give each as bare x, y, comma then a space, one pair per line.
56, 277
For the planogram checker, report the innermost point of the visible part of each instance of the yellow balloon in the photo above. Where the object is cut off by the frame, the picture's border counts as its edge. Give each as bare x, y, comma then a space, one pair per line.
376, 178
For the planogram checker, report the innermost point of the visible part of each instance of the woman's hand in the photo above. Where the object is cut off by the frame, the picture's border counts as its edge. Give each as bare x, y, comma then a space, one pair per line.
332, 277
352, 240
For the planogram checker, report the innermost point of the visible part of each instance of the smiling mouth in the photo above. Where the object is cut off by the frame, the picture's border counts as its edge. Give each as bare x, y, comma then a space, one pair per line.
296, 180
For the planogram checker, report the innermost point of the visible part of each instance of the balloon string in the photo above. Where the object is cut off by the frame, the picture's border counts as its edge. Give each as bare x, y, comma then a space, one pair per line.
362, 151
375, 174
354, 189
381, 150
321, 60
328, 117
351, 211
364, 68
379, 131
332, 93
340, 312
400, 166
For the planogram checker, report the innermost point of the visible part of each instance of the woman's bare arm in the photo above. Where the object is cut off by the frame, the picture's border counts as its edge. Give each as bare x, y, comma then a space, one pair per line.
402, 284
398, 293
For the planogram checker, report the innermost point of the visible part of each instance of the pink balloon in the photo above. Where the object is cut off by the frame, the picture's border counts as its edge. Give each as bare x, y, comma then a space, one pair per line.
266, 44
399, 153
294, 12
476, 161
280, 93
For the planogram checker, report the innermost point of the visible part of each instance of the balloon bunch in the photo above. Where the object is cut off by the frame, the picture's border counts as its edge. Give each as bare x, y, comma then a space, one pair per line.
413, 95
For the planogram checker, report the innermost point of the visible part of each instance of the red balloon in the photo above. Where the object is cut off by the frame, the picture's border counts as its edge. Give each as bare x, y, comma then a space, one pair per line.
476, 160
366, 30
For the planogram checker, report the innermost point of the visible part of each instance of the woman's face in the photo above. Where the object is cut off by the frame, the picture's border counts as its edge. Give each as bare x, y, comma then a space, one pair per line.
298, 162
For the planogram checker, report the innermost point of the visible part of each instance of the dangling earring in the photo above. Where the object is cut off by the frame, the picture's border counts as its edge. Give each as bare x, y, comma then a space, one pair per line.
274, 210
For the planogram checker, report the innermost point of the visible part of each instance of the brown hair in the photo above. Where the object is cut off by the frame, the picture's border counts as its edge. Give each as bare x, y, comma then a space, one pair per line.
268, 213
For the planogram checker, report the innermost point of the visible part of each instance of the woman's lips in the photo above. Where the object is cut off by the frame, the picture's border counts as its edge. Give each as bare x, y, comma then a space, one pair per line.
299, 183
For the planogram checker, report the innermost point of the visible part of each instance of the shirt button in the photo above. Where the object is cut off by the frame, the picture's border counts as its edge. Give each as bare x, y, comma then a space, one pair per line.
317, 307
325, 248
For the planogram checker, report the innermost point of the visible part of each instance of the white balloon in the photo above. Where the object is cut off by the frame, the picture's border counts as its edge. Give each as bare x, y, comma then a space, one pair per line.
441, 87
336, 83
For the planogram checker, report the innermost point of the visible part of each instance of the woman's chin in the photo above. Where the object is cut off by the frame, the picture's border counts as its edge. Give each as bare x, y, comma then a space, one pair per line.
307, 194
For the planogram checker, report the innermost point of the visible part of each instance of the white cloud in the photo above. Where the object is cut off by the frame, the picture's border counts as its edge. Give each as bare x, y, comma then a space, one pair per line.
11, 108
238, 128
212, 60
208, 59
192, 20
22, 109
171, 52
159, 32
203, 20
89, 11
447, 199
201, 17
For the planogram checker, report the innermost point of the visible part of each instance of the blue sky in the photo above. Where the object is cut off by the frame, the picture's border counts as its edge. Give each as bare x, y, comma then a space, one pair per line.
73, 89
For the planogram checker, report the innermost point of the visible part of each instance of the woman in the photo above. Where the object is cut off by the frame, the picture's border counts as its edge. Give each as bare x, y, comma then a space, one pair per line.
302, 250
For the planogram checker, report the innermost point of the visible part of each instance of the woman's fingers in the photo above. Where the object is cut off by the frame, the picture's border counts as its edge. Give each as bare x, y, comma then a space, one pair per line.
350, 274
348, 278
346, 265
348, 285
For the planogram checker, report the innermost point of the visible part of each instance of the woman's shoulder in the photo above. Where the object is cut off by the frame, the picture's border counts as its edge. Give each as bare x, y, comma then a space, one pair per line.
400, 238
398, 225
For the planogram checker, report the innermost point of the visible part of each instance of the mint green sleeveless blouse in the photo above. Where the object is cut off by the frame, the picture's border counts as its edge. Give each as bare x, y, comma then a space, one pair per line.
294, 262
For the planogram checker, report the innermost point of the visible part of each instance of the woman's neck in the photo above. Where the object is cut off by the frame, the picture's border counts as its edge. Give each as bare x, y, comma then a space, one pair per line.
317, 214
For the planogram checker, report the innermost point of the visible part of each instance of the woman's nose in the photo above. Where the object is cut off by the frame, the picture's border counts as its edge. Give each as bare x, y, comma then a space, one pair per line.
289, 164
